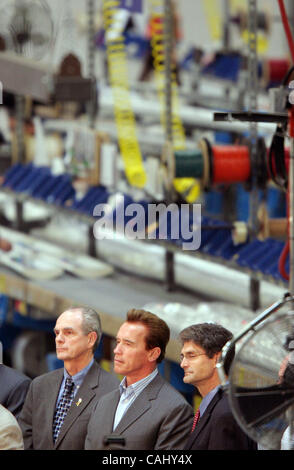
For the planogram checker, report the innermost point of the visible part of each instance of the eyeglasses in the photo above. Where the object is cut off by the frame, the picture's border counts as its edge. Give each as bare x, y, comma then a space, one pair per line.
189, 357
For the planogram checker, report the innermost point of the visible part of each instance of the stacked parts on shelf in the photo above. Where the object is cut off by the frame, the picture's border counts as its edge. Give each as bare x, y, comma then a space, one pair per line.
217, 244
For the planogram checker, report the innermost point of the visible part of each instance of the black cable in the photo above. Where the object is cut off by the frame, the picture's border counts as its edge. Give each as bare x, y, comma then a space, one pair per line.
276, 155
287, 76
276, 160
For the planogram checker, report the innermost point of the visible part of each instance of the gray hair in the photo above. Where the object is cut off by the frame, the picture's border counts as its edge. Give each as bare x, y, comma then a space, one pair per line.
91, 322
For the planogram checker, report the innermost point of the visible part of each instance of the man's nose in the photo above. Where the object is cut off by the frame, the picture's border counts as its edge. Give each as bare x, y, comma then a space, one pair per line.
117, 349
183, 363
59, 338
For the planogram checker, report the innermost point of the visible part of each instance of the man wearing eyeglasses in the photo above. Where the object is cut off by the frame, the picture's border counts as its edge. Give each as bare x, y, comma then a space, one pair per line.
214, 426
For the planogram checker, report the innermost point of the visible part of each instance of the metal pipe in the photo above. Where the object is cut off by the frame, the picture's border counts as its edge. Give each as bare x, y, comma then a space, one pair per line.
253, 91
168, 69
291, 216
291, 219
168, 33
226, 25
91, 61
19, 128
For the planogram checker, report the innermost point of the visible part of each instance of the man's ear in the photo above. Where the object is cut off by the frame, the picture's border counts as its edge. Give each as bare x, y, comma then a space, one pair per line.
217, 357
92, 336
154, 353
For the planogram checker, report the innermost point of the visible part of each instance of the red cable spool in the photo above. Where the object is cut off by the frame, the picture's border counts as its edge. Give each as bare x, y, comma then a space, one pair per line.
230, 164
276, 69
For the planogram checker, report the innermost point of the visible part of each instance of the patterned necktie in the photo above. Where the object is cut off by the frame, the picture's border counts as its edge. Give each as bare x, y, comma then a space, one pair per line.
196, 419
63, 406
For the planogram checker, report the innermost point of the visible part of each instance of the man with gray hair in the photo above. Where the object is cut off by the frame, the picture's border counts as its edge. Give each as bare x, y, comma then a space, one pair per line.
59, 404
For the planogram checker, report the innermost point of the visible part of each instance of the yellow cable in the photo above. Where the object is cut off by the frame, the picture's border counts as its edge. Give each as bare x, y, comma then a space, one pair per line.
124, 116
214, 18
237, 4
188, 187
262, 40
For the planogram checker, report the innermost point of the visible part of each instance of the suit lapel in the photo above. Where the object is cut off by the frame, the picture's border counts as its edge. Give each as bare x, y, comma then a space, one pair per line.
53, 387
82, 398
133, 413
204, 419
109, 419
141, 404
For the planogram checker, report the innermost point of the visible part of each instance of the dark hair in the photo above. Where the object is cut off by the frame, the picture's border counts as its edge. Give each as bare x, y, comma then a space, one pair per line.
158, 331
209, 336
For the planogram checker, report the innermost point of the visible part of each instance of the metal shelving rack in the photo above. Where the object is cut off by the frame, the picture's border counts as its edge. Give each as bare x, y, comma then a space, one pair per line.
21, 198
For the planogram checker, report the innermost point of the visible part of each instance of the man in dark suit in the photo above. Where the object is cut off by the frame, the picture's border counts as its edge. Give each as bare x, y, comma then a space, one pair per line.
146, 412
13, 389
59, 404
214, 427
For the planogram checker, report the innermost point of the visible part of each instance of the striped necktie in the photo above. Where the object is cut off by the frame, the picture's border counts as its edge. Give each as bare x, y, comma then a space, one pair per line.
196, 419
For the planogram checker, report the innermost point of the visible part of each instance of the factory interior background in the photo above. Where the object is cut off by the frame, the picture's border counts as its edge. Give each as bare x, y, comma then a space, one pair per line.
146, 161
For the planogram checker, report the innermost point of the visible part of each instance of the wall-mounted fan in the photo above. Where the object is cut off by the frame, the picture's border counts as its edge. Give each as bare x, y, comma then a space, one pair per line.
261, 378
26, 27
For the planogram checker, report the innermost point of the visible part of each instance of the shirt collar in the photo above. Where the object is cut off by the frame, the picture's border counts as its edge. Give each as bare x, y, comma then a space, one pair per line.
135, 387
79, 377
207, 399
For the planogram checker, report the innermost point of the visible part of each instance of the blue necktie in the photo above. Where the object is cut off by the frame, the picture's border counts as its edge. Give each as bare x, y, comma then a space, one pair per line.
63, 407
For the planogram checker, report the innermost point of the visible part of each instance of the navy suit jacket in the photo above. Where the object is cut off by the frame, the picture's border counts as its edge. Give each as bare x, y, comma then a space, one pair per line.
13, 389
217, 429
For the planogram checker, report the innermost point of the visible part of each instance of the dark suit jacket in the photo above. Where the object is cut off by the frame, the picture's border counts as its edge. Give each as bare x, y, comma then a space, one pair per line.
159, 418
13, 389
36, 419
217, 429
